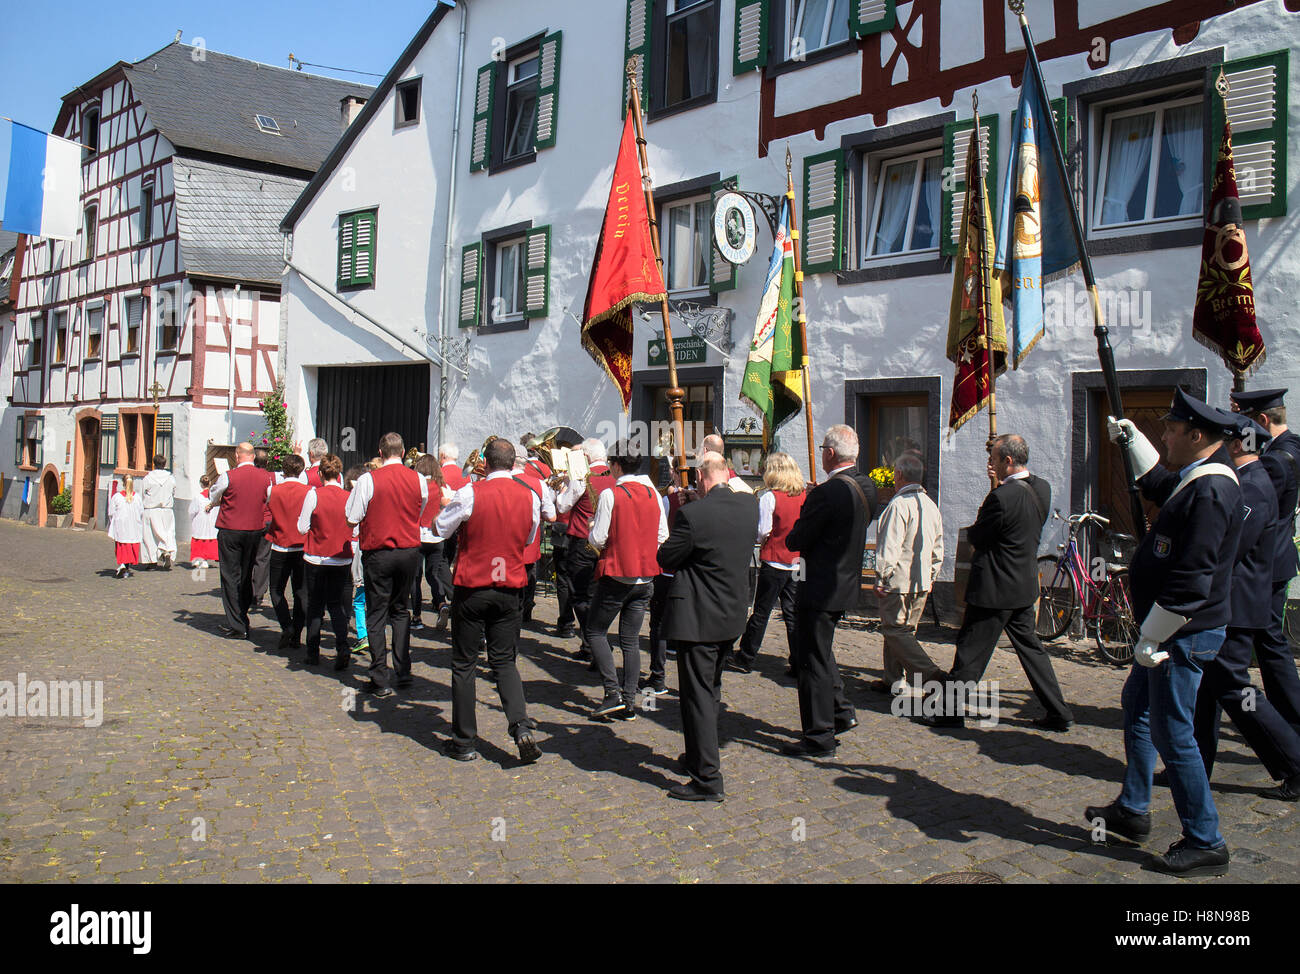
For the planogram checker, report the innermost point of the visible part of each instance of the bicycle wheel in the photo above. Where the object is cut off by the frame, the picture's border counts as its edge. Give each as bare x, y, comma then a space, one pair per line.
1117, 632
1056, 598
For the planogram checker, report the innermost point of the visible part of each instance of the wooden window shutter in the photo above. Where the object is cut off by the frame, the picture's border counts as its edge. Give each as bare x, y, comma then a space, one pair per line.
1257, 108
750, 49
363, 252
537, 272
347, 241
723, 273
823, 212
956, 145
871, 16
640, 17
470, 284
548, 91
480, 145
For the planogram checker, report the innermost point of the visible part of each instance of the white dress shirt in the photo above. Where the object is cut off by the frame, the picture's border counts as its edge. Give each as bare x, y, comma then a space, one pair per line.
304, 525
363, 491
605, 511
576, 488
461, 508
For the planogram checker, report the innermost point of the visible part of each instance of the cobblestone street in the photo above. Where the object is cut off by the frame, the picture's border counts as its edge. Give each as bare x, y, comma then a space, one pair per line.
218, 760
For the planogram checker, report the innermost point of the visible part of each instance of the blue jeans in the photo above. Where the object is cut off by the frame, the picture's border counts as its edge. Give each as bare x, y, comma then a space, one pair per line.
1159, 703
359, 611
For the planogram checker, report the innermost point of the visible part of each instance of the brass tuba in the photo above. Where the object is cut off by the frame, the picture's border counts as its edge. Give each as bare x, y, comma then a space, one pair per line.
476, 464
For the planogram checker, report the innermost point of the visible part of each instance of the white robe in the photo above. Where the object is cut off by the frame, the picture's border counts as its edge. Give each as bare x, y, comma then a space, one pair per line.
203, 523
159, 492
125, 519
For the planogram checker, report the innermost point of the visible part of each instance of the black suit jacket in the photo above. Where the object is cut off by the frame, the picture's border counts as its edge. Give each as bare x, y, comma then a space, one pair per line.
1004, 567
1252, 573
830, 536
708, 553
1282, 461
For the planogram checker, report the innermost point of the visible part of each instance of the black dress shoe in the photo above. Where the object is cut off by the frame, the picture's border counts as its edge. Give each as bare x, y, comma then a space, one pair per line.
528, 749
460, 753
1186, 861
342, 664
378, 692
405, 681
802, 749
566, 633
734, 664
942, 721
844, 726
1287, 791
1050, 722
285, 640
229, 633
311, 659
690, 793
1116, 821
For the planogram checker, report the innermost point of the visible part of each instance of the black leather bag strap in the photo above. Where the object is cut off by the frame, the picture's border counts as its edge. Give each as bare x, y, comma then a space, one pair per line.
1033, 495
857, 488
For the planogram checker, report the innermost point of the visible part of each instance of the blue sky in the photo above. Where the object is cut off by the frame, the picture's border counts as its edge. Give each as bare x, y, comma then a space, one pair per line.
48, 48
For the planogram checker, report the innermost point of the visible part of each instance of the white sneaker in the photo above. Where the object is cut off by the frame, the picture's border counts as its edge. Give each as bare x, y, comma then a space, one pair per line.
444, 616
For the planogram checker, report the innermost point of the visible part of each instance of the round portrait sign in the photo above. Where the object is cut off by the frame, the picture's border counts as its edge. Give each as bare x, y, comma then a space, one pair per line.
734, 229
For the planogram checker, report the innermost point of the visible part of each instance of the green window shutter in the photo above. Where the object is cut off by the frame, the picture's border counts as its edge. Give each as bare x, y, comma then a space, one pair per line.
640, 17
480, 145
823, 212
956, 144
347, 243
1257, 108
750, 49
537, 254
471, 265
548, 92
723, 273
871, 16
363, 253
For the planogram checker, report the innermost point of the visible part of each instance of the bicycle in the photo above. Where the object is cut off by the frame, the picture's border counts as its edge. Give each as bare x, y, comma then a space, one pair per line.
1065, 583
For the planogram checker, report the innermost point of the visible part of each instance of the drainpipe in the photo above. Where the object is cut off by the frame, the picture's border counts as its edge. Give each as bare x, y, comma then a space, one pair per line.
448, 264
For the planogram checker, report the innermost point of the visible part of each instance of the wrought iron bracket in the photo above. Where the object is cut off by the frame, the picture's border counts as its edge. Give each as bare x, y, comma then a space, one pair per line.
766, 203
454, 351
711, 324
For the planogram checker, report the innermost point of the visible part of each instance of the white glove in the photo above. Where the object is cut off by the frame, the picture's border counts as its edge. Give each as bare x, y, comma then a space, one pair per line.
1159, 626
1130, 439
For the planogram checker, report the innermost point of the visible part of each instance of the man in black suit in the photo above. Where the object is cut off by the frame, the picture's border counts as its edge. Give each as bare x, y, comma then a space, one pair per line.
1003, 588
830, 536
708, 552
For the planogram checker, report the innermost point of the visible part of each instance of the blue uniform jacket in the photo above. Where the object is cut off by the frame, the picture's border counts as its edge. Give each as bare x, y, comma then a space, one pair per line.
1252, 575
1286, 482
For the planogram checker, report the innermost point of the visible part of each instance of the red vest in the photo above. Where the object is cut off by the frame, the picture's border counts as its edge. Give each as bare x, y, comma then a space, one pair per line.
393, 517
454, 476
286, 505
533, 553
243, 503
784, 515
431, 509
535, 468
633, 545
585, 509
313, 476
330, 534
490, 552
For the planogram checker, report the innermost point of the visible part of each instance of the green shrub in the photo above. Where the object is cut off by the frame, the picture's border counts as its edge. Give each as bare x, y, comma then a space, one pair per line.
62, 503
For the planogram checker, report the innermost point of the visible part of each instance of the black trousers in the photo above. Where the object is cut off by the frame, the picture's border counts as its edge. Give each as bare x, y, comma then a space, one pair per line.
563, 587
329, 589
978, 637
658, 614
821, 691
699, 680
287, 568
476, 614
236, 552
528, 594
1225, 686
628, 602
431, 562
262, 569
581, 563
389, 573
773, 584
1277, 663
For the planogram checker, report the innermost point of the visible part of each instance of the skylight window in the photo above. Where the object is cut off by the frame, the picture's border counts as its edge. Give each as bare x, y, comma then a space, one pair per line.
267, 124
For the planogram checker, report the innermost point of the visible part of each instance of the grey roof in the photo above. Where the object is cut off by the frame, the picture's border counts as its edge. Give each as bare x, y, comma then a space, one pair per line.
228, 219
208, 104
8, 240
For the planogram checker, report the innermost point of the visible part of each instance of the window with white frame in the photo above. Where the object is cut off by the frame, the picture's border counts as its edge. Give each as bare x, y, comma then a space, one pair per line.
509, 281
1150, 162
814, 24
687, 226
521, 105
133, 317
94, 331
903, 213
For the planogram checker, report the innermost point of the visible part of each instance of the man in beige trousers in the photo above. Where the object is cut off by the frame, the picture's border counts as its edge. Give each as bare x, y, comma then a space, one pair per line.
909, 553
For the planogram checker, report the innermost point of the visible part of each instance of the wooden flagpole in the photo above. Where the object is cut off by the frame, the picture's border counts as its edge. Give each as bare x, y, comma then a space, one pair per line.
675, 393
985, 284
801, 315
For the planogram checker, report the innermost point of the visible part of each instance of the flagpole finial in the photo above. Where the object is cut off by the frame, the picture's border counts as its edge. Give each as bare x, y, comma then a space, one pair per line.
633, 67
975, 100
789, 160
1221, 84
1017, 7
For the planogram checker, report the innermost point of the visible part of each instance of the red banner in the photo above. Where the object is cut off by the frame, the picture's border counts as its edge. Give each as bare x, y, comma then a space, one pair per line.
624, 272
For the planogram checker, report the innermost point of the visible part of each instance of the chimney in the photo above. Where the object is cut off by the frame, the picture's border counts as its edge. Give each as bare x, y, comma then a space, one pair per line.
351, 108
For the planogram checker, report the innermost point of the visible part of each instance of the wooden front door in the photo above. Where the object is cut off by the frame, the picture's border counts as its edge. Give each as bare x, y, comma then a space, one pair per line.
1144, 407
89, 472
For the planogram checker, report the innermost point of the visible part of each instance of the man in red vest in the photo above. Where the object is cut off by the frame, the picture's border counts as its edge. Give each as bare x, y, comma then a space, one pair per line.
327, 552
579, 500
386, 505
628, 527
497, 518
453, 477
241, 524
316, 451
285, 501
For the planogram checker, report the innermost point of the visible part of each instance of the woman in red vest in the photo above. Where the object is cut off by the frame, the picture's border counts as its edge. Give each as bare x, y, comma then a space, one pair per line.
327, 552
778, 509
